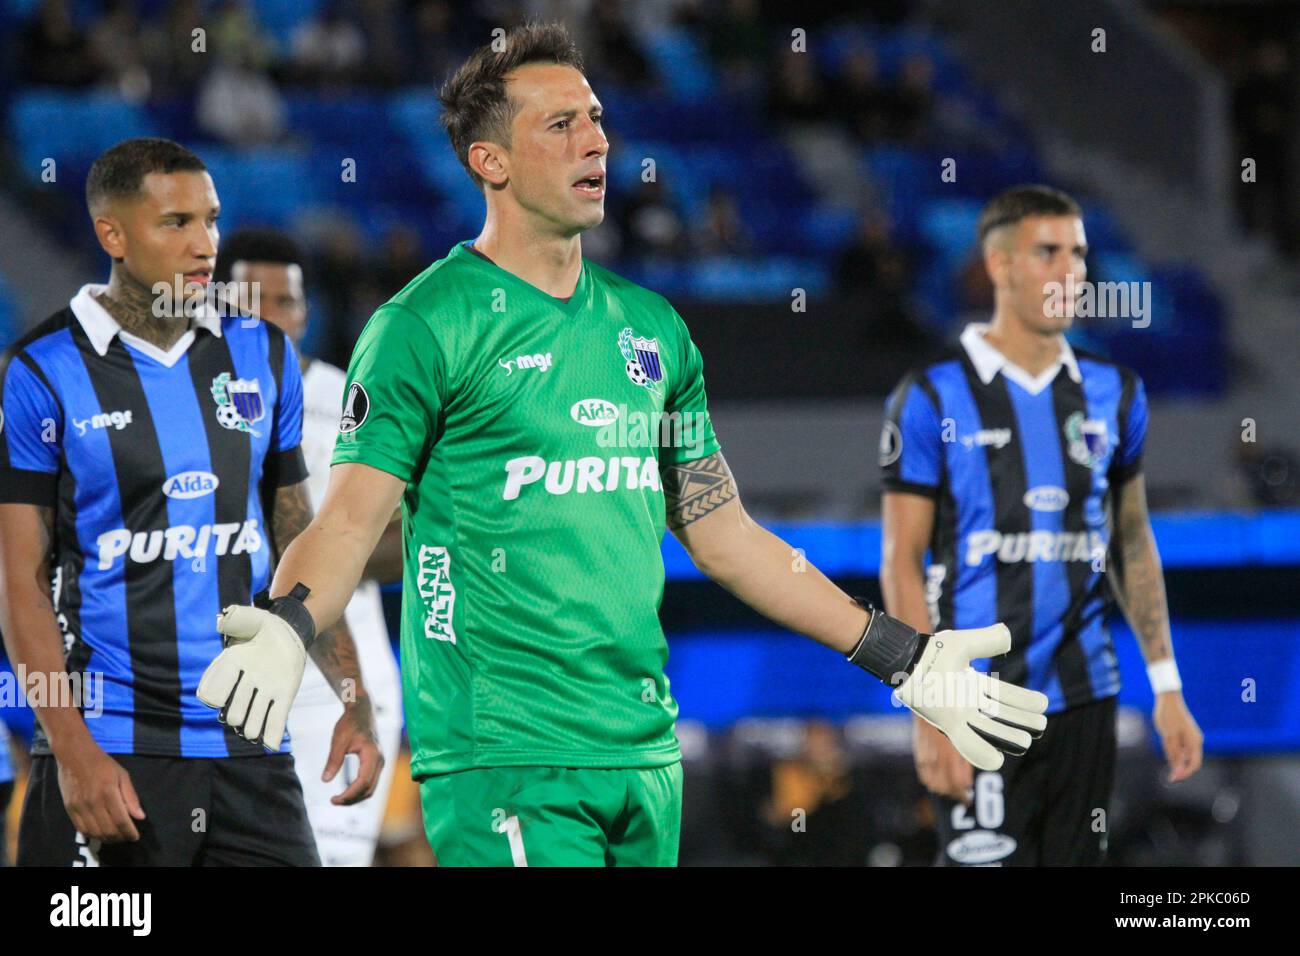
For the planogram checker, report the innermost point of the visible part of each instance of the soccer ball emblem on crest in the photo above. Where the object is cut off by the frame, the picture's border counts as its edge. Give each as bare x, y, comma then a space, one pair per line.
642, 356
239, 403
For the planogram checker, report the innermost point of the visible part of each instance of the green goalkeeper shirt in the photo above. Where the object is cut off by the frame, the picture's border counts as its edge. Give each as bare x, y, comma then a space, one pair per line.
530, 433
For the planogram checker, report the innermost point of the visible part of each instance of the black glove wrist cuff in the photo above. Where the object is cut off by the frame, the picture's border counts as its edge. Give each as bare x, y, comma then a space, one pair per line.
289, 607
888, 646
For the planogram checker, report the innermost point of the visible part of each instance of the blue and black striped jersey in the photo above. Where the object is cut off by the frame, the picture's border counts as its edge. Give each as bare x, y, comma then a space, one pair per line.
6, 759
160, 469
1020, 472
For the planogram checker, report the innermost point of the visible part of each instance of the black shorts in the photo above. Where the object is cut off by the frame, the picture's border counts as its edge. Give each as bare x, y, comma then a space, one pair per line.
1047, 808
199, 811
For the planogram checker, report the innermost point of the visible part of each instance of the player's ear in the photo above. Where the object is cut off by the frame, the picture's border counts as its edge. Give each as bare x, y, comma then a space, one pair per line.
488, 159
997, 259
109, 232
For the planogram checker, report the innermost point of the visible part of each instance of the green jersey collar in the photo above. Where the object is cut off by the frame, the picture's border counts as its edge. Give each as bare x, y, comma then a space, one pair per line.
577, 301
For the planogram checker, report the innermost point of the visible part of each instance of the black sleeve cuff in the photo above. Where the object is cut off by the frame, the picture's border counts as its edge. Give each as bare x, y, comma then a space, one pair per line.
1120, 474
910, 487
19, 486
286, 467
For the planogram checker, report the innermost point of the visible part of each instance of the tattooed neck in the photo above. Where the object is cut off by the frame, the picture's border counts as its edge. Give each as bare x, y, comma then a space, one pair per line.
131, 304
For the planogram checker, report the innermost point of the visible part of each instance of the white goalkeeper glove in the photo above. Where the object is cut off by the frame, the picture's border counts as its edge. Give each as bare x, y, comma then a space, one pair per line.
254, 680
983, 717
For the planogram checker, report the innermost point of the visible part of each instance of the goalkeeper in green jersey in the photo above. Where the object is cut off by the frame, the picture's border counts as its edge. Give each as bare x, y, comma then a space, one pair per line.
540, 420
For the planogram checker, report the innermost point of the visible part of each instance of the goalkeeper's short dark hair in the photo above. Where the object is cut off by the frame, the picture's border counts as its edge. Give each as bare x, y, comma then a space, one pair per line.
474, 101
119, 171
256, 245
1023, 202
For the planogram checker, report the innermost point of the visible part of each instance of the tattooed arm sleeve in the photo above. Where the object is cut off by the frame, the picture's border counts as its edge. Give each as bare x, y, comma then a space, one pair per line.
693, 489
1138, 581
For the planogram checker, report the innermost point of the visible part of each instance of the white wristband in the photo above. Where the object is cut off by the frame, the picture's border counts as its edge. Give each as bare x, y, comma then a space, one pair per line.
1163, 676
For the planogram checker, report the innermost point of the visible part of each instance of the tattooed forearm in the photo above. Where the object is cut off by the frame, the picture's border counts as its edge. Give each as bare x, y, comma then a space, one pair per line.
292, 515
335, 654
1142, 594
695, 488
1138, 581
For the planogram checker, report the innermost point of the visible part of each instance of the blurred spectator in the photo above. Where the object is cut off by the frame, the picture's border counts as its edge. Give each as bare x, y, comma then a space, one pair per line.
236, 35
653, 226
797, 94
434, 51
721, 230
115, 45
340, 271
873, 269
816, 812
54, 51
381, 31
329, 48
239, 104
910, 105
870, 262
400, 260
167, 49
738, 43
864, 101
1264, 107
689, 15
613, 51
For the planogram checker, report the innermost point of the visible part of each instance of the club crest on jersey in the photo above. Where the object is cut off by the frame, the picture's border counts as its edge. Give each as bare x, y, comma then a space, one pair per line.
642, 357
1087, 440
239, 403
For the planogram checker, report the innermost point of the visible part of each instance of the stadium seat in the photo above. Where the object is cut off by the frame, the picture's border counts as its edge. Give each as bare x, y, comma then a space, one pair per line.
72, 126
682, 64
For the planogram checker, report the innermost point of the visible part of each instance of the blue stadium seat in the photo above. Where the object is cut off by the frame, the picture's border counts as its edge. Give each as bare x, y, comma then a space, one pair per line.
415, 119
71, 126
681, 64
949, 227
336, 119
1103, 232
833, 47
282, 17
768, 278
826, 229
718, 118
19, 9
1185, 331
265, 186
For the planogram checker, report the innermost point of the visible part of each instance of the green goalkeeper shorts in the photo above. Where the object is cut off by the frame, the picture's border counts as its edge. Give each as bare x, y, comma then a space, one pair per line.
554, 816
